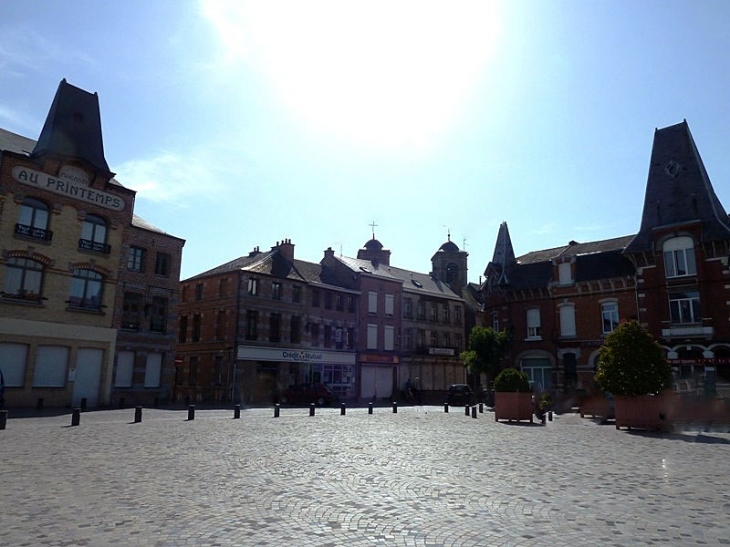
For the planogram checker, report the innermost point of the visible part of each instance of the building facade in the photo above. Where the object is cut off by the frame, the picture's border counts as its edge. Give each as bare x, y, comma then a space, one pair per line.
64, 233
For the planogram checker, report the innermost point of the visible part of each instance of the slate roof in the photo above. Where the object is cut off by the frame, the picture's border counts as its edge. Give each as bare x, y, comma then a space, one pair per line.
13, 142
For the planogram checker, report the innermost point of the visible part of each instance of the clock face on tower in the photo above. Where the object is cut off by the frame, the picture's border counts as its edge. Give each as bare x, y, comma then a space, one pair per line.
672, 169
452, 272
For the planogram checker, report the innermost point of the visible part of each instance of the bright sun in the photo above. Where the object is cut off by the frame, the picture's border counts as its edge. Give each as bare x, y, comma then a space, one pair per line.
386, 73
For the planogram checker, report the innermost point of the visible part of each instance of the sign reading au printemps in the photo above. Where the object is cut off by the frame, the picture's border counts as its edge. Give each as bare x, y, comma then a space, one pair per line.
69, 183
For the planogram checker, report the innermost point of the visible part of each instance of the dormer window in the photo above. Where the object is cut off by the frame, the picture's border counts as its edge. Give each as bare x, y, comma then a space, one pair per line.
679, 257
564, 274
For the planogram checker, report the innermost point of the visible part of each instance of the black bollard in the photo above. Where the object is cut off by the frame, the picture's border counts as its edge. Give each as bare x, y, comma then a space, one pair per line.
395, 407
39, 403
236, 412
76, 417
342, 409
370, 408
481, 408
157, 402
3, 418
542, 419
277, 409
121, 402
446, 408
473, 412
550, 415
311, 409
137, 414
466, 410
191, 412
83, 403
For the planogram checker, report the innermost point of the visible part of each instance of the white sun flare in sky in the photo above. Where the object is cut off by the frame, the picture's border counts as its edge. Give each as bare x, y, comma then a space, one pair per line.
382, 73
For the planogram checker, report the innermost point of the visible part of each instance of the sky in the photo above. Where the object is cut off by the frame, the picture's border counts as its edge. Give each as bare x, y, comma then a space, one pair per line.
241, 124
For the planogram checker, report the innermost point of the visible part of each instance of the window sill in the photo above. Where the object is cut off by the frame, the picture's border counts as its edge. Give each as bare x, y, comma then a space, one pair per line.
23, 302
533, 339
92, 311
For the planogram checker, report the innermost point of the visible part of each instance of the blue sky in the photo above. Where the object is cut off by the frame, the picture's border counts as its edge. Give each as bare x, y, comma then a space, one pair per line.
244, 123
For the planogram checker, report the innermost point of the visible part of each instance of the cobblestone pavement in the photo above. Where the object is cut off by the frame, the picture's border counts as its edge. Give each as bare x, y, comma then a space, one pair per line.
420, 477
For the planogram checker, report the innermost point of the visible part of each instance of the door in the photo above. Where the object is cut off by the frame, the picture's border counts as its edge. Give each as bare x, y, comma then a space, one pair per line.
88, 376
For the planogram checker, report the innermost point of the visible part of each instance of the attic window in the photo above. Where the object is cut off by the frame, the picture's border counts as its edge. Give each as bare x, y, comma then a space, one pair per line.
364, 269
417, 283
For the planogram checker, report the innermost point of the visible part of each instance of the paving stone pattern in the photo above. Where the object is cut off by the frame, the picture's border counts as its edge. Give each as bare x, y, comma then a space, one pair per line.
416, 478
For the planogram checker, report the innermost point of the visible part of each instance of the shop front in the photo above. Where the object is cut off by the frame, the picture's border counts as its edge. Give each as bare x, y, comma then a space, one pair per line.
378, 376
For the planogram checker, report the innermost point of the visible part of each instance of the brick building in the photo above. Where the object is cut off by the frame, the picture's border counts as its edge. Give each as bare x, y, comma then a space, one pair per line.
672, 276
65, 231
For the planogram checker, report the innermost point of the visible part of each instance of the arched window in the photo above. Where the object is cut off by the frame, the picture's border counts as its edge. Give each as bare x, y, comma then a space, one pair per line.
452, 272
23, 279
93, 235
33, 220
679, 257
86, 289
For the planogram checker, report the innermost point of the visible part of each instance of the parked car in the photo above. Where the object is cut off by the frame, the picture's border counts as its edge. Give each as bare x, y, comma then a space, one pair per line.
460, 395
319, 394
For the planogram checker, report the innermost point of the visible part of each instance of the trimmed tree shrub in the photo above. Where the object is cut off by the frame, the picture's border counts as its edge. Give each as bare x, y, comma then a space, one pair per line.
632, 363
512, 380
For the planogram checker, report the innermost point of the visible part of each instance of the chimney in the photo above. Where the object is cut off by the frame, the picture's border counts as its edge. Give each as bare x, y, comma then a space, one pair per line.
329, 253
254, 252
286, 249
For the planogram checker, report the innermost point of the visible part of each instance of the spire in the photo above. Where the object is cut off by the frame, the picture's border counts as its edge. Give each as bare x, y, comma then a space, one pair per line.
73, 127
678, 190
504, 254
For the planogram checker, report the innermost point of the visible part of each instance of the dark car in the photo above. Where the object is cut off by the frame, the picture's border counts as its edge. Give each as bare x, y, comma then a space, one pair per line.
460, 395
319, 394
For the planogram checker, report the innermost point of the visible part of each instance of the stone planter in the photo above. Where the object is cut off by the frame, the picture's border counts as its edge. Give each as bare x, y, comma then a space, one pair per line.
640, 412
513, 406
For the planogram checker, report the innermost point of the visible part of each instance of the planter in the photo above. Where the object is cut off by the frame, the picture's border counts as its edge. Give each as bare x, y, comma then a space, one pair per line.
513, 406
596, 406
640, 412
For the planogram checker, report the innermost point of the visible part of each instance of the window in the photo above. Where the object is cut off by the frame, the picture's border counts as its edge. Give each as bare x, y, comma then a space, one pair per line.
253, 286
93, 235
252, 322
23, 279
407, 341
276, 290
684, 307
609, 316
389, 305
125, 369
445, 316
158, 314
196, 328
407, 308
315, 298
372, 336
372, 302
218, 370
533, 324
182, 336
339, 302
198, 291
340, 337
328, 300
86, 287
452, 272
538, 373
13, 358
570, 366
564, 274
434, 339
679, 257
351, 303
132, 310
162, 264
220, 325
135, 259
567, 320
421, 311
296, 294
274, 327
351, 338
447, 340
193, 371
458, 343
296, 327
495, 321
223, 286
457, 316
327, 336
314, 334
420, 339
153, 370
33, 220
50, 366
434, 313
389, 338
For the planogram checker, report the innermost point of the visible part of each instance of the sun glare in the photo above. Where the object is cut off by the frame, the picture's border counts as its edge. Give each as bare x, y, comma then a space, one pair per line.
385, 73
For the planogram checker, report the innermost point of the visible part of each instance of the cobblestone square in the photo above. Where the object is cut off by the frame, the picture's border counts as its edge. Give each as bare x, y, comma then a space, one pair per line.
420, 477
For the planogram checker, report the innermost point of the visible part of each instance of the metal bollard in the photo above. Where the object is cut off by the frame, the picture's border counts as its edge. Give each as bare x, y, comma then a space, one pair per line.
446, 408
395, 407
121, 402
542, 419
83, 403
3, 418
550, 415
473, 412
311, 409
157, 402
481, 408
466, 410
76, 417
276, 410
370, 408
342, 409
39, 403
137, 414
236, 412
191, 412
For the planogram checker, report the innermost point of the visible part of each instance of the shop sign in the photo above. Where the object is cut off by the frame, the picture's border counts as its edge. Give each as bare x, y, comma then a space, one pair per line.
375, 358
69, 183
440, 351
700, 361
294, 355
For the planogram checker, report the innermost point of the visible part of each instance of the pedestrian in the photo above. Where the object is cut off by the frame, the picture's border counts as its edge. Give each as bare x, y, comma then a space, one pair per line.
408, 390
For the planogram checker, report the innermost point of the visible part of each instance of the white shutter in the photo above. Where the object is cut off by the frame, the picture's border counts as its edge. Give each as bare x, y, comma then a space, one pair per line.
125, 367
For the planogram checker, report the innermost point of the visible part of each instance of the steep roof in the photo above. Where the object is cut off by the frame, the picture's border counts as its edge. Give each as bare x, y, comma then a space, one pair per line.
73, 127
678, 190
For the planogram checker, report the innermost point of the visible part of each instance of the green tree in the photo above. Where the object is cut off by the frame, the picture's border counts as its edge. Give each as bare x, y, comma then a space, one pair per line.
486, 349
632, 363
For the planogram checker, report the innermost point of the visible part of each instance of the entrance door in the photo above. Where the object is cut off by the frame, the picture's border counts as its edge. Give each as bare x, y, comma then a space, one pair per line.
88, 376
376, 382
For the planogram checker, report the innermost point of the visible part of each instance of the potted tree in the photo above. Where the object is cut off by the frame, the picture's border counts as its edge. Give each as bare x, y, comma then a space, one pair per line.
486, 349
632, 367
512, 396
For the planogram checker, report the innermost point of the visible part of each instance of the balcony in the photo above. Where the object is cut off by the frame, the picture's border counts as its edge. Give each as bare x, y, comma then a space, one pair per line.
94, 246
688, 331
33, 232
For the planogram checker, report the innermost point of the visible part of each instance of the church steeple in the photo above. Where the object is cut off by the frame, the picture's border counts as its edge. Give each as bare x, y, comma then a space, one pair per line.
504, 256
449, 265
678, 190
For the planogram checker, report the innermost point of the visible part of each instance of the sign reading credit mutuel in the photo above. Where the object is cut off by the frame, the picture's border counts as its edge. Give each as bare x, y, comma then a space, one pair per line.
68, 186
294, 355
